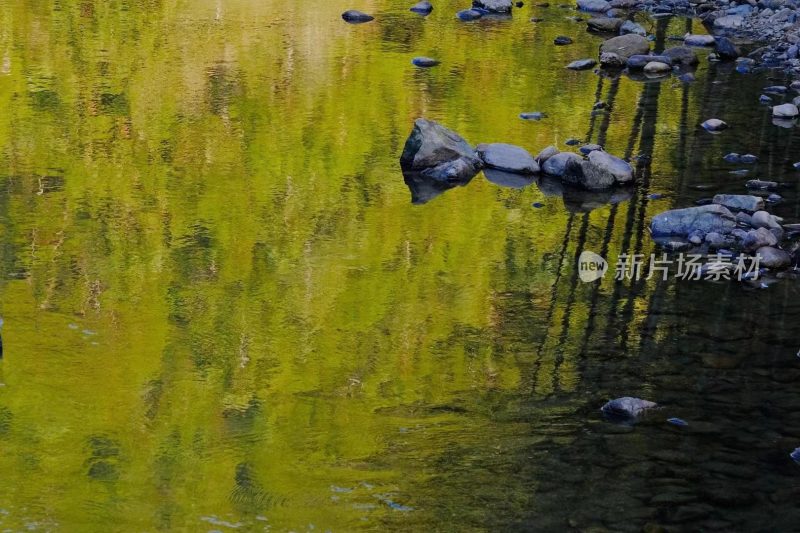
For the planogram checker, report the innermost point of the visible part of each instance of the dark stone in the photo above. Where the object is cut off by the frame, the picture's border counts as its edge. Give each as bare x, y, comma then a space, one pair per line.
468, 15
740, 202
626, 46
582, 64
627, 407
638, 62
562, 40
773, 258
726, 49
604, 24
423, 8
536, 115
356, 17
595, 6
425, 62
511, 180
493, 6
431, 144
682, 55
507, 157
682, 222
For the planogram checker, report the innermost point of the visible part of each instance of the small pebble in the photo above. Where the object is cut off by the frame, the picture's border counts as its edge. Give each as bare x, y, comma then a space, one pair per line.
572, 142
678, 422
749, 159
655, 196
764, 99
774, 198
795, 455
733, 158
538, 205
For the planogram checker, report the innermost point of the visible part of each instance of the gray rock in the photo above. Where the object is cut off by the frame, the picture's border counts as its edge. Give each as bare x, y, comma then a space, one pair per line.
587, 149
507, 157
599, 162
627, 407
682, 222
594, 6
657, 68
459, 170
762, 185
604, 24
631, 27
762, 219
740, 202
423, 8
759, 238
468, 15
726, 49
626, 46
356, 17
785, 111
493, 6
609, 59
682, 55
729, 22
564, 164
431, 144
639, 61
773, 258
714, 125
546, 154
699, 40
582, 64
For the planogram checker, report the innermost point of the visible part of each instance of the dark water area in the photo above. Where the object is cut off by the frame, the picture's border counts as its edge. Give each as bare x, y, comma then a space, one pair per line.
226, 309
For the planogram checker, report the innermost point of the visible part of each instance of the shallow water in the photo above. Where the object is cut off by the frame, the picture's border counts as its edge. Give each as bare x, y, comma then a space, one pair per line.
222, 310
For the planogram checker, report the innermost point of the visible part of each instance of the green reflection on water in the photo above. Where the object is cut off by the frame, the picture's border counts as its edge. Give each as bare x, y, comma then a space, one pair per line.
221, 307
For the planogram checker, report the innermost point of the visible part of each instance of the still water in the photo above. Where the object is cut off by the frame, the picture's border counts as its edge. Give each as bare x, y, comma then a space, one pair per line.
224, 312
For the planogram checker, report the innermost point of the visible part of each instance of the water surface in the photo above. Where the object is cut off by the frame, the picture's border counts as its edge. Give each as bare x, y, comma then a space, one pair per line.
223, 311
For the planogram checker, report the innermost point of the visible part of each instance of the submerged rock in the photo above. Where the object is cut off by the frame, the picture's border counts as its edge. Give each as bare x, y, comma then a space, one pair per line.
356, 17
604, 24
626, 46
631, 27
582, 64
785, 111
431, 144
512, 180
682, 55
562, 40
425, 62
423, 8
536, 115
740, 202
461, 169
726, 49
714, 125
493, 6
640, 61
507, 157
594, 6
773, 258
627, 407
682, 222
698, 40
657, 68
468, 15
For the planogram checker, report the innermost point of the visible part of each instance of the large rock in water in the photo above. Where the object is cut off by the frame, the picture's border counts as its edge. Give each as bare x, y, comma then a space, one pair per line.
773, 258
431, 144
682, 55
602, 170
682, 222
507, 157
564, 164
594, 6
740, 202
785, 111
626, 46
493, 6
627, 407
604, 24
